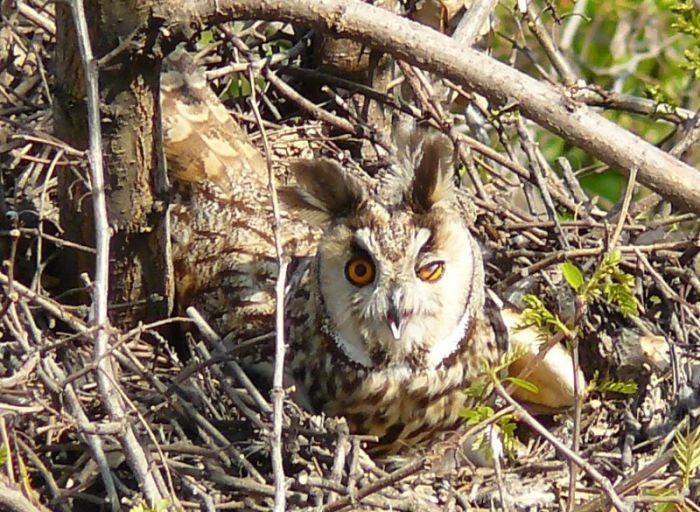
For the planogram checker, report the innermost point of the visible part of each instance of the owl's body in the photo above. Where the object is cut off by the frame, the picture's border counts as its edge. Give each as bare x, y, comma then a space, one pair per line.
394, 350
385, 312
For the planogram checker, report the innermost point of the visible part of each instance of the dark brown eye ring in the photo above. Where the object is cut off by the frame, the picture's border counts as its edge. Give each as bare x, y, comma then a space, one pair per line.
360, 270
431, 272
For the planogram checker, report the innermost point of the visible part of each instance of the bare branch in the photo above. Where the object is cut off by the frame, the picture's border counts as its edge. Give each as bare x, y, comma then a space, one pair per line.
98, 314
437, 53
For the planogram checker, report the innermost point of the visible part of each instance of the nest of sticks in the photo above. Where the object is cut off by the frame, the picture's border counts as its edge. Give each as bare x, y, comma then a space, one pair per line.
205, 427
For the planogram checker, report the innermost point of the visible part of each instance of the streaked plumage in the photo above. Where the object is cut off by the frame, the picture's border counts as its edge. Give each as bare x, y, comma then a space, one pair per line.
386, 316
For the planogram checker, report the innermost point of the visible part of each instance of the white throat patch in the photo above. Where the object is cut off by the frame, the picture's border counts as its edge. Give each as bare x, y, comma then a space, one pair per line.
437, 354
354, 353
447, 346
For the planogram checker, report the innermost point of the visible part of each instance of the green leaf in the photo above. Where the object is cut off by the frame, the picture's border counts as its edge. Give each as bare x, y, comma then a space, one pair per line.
477, 389
687, 453
476, 415
572, 274
523, 384
206, 38
623, 387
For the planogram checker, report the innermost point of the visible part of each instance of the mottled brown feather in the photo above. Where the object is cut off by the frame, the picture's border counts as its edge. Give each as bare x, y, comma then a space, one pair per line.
343, 355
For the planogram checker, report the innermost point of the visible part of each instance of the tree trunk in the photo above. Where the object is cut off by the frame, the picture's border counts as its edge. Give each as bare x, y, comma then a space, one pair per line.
134, 164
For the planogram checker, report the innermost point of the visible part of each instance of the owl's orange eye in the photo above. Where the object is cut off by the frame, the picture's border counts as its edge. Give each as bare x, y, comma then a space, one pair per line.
360, 271
432, 271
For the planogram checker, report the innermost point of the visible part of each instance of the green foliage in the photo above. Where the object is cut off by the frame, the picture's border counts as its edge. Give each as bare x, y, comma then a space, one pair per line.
538, 316
478, 389
662, 492
239, 87
608, 281
481, 386
523, 384
687, 21
207, 37
654, 92
687, 454
627, 387
506, 427
473, 417
608, 184
477, 414
642, 48
161, 506
572, 274
4, 454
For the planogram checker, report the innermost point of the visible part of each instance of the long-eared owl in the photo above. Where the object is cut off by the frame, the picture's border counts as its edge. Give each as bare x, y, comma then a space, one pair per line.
386, 311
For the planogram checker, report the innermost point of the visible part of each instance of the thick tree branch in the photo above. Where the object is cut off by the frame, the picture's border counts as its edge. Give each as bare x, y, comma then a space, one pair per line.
418, 45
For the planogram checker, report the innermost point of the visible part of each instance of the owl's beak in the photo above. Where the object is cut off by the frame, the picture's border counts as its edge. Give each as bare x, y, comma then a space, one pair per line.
394, 315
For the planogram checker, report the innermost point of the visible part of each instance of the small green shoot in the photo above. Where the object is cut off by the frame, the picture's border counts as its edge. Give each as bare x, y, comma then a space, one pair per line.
537, 315
523, 384
687, 21
572, 274
608, 281
624, 388
481, 386
687, 454
4, 454
663, 100
506, 428
661, 493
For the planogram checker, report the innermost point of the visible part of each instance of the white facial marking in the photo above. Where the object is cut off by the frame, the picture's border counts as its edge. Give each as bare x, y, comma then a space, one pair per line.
355, 353
446, 346
363, 237
422, 236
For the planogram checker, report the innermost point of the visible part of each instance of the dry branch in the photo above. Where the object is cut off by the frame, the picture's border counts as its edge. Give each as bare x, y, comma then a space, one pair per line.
110, 394
551, 108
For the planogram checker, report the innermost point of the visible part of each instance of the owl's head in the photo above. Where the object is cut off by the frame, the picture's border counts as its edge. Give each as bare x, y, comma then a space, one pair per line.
398, 277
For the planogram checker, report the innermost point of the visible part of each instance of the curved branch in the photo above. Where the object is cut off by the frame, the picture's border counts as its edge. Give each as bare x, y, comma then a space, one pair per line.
548, 106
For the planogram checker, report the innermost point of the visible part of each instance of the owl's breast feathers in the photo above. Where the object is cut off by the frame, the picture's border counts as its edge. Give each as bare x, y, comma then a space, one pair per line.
403, 406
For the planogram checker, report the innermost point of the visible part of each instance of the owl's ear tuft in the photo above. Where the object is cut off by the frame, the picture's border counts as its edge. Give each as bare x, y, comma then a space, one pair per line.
432, 180
323, 191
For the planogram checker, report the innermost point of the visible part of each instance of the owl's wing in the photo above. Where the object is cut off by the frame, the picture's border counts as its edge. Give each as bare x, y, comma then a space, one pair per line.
203, 145
223, 246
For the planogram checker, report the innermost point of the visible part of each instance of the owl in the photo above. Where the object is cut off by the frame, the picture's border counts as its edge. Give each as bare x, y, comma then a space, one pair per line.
387, 322
386, 315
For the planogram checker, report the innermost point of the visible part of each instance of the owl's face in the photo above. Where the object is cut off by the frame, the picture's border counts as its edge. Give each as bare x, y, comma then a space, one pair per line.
398, 287
398, 281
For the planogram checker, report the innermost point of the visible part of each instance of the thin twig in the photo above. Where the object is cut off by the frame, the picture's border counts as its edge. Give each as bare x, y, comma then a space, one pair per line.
624, 209
575, 444
278, 372
534, 23
535, 164
470, 26
603, 482
74, 407
98, 314
13, 499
